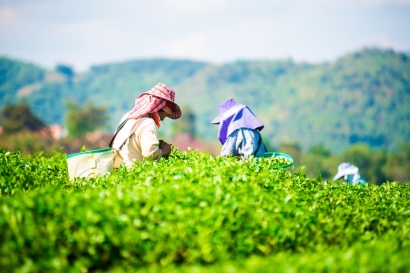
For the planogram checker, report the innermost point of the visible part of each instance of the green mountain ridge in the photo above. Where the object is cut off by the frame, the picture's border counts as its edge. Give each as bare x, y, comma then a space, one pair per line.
361, 97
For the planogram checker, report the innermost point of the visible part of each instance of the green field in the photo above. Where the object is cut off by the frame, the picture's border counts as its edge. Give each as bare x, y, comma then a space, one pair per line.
194, 212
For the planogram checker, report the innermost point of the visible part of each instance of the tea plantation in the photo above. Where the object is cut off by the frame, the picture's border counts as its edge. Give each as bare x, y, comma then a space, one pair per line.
193, 212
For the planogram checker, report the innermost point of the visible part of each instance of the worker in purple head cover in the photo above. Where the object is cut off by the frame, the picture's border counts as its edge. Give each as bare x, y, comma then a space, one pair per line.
239, 130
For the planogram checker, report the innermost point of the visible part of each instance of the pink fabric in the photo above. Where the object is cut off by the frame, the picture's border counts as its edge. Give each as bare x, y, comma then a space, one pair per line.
154, 100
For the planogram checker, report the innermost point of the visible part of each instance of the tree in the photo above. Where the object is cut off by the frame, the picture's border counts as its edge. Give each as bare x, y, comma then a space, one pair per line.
81, 120
369, 164
19, 117
319, 150
319, 160
396, 167
66, 70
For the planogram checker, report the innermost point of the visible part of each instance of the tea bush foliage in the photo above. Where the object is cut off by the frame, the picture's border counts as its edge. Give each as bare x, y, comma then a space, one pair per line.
194, 212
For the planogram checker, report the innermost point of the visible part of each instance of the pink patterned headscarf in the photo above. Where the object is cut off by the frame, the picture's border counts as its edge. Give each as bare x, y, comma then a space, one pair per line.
154, 100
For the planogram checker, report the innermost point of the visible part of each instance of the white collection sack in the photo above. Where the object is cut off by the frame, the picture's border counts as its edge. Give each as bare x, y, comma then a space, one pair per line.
99, 162
90, 164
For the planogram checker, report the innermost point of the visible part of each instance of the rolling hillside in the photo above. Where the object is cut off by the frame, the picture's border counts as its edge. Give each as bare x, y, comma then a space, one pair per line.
361, 97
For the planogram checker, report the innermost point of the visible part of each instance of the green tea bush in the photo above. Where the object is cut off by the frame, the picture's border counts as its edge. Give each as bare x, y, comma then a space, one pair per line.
18, 173
193, 212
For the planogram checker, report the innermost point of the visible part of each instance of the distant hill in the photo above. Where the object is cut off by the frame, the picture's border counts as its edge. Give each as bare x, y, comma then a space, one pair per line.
361, 97
14, 76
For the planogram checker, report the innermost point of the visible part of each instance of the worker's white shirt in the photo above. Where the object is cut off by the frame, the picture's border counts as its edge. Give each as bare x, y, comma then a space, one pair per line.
142, 144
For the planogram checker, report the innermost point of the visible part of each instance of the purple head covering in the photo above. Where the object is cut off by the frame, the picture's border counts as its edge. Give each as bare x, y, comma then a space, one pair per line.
233, 116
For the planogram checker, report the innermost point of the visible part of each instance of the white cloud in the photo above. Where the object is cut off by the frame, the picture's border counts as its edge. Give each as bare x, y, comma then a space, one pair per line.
8, 18
195, 46
92, 33
189, 6
7, 15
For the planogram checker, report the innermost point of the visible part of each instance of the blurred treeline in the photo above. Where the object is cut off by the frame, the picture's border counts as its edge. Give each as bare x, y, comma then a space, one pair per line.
23, 131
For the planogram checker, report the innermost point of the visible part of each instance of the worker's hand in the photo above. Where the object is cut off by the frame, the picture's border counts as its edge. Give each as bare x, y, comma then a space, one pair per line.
165, 148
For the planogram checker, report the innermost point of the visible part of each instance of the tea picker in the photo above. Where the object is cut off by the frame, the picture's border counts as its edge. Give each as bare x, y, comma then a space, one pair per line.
239, 133
349, 173
135, 138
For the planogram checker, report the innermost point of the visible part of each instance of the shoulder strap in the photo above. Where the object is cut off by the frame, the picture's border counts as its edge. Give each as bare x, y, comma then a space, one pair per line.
116, 132
133, 129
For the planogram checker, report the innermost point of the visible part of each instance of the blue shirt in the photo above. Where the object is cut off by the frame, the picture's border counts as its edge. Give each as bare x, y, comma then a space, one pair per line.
243, 142
355, 179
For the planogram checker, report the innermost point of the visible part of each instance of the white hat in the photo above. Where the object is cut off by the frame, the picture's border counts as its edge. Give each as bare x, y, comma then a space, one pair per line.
345, 168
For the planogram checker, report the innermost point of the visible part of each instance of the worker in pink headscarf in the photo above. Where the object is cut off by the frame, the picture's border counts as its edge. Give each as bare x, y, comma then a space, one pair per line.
136, 137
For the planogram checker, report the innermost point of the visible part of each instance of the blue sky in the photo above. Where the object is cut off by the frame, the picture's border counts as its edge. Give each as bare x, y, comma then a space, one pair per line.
82, 33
